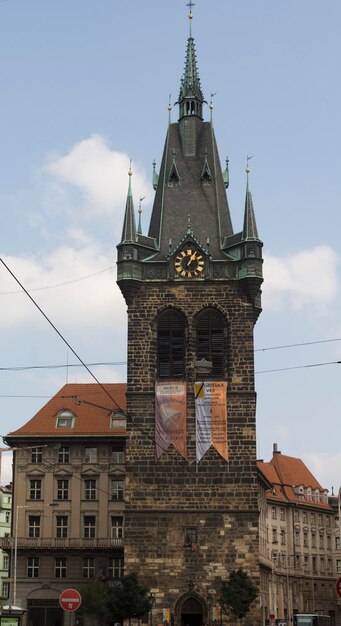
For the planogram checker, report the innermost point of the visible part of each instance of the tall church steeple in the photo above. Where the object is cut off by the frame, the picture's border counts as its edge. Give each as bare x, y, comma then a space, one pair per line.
129, 224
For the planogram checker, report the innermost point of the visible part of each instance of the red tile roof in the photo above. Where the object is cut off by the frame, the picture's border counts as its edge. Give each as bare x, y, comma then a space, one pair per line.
285, 473
89, 420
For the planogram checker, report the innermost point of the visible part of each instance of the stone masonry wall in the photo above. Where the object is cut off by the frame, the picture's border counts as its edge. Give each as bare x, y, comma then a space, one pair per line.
164, 497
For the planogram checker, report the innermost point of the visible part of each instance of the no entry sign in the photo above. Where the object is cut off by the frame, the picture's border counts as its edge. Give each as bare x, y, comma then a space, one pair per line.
70, 600
338, 587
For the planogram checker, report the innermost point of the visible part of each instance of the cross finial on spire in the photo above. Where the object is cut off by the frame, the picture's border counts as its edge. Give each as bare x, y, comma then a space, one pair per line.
190, 4
248, 158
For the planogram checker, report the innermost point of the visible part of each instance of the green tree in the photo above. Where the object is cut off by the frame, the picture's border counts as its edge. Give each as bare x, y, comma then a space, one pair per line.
109, 603
95, 601
237, 594
128, 599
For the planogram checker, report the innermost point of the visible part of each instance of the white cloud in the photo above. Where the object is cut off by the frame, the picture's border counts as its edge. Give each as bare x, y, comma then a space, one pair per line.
308, 277
326, 467
85, 303
6, 468
100, 174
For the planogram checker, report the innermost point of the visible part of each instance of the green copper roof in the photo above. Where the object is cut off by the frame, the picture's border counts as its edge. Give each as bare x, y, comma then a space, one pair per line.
129, 225
250, 226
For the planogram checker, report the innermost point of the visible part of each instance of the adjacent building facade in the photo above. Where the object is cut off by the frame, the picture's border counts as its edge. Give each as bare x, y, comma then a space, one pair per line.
68, 498
299, 542
5, 532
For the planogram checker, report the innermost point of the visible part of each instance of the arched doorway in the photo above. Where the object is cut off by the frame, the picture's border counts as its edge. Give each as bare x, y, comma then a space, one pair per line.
192, 612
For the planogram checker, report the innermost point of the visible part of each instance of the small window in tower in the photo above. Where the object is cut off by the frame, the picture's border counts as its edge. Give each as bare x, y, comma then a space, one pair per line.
211, 340
171, 344
191, 538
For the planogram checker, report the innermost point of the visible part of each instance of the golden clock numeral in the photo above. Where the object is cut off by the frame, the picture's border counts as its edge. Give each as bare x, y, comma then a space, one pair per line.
200, 269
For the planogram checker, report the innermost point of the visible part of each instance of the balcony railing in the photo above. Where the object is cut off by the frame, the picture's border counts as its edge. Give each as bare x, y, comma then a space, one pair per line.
42, 543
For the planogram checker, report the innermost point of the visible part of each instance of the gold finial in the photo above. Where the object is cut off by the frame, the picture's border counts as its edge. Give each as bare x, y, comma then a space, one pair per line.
190, 4
248, 158
140, 204
130, 173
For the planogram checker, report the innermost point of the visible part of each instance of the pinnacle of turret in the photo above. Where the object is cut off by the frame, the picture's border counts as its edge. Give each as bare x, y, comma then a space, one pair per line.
190, 87
129, 225
250, 227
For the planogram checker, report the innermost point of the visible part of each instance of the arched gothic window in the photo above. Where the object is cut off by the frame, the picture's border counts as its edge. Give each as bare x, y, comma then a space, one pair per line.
171, 344
211, 342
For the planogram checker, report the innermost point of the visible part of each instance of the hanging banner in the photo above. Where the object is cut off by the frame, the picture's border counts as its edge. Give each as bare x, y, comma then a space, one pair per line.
211, 418
170, 417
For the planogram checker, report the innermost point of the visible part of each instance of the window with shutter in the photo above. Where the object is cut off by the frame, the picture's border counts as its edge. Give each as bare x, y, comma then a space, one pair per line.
171, 344
211, 339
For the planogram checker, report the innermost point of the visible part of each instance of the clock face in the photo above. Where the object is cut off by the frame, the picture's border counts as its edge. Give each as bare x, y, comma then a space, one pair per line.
189, 263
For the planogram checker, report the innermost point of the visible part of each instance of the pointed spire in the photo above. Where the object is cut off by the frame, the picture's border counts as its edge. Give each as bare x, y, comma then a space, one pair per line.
226, 174
155, 176
129, 226
206, 176
191, 97
250, 226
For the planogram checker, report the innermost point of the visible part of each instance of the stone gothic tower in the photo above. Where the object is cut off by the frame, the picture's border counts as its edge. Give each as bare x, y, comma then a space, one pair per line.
192, 288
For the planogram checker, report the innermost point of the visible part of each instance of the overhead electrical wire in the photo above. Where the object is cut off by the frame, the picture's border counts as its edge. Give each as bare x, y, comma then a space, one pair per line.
68, 282
107, 393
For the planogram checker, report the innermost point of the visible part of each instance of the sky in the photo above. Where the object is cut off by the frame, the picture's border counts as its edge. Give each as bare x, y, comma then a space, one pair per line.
84, 88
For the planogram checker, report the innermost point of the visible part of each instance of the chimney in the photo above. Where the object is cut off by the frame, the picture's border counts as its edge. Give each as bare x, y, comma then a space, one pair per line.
275, 449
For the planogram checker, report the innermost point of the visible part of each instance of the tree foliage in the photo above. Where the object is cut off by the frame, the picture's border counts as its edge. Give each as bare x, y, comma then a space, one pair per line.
238, 593
124, 599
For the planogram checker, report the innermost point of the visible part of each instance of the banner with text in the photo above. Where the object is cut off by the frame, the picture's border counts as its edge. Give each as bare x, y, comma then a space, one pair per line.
211, 418
170, 417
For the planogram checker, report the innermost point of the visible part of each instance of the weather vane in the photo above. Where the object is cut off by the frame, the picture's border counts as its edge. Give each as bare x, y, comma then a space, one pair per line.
248, 158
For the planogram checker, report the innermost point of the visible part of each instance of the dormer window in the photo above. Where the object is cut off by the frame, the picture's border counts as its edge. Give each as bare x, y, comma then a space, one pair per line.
65, 419
118, 420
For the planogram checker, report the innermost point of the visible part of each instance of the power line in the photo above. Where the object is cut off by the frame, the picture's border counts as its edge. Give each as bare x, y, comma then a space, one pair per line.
68, 282
23, 368
298, 367
295, 345
107, 393
18, 368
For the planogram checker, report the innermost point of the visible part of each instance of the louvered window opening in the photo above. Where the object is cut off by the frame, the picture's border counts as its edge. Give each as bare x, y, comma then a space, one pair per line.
171, 345
211, 341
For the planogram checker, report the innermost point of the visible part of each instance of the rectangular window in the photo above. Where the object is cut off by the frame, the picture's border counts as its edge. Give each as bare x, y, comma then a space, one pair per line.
314, 563
312, 518
34, 526
273, 512
5, 589
297, 537
296, 516
90, 491
322, 563
304, 517
89, 528
116, 567
282, 537
329, 543
88, 570
117, 489
329, 565
5, 562
313, 540
36, 455
60, 567
62, 489
274, 535
305, 539
33, 567
117, 527
64, 454
282, 514
35, 489
117, 457
61, 526
337, 543
90, 455
191, 537
65, 420
7, 517
118, 421
321, 540
338, 566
